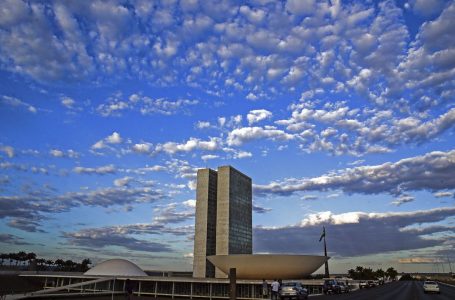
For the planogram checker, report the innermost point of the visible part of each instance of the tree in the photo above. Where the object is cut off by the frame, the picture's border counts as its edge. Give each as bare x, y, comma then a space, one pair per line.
21, 257
380, 273
84, 266
59, 263
391, 273
30, 256
49, 263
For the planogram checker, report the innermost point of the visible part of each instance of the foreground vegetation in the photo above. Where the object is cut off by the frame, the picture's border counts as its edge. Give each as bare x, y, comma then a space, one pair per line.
24, 260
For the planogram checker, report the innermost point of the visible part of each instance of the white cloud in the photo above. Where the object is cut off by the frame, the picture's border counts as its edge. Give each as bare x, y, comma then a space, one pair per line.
122, 182
15, 102
68, 102
144, 148
114, 138
239, 136
202, 124
258, 115
56, 153
444, 194
432, 171
8, 150
108, 169
190, 145
402, 200
208, 157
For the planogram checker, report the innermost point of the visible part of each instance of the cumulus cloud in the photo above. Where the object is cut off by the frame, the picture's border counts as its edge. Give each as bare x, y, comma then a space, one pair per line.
122, 182
190, 145
239, 136
62, 153
108, 169
342, 229
258, 115
432, 171
112, 139
8, 150
116, 105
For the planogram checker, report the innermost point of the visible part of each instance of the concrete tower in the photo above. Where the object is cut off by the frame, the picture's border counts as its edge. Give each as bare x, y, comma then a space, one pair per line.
223, 217
205, 227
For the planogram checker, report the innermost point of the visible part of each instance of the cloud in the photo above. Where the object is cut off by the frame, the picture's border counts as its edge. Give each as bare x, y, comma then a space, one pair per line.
419, 260
239, 136
444, 194
68, 102
61, 153
15, 102
122, 182
108, 169
170, 214
111, 236
432, 171
347, 233
202, 124
260, 210
403, 199
29, 210
12, 239
8, 150
258, 115
112, 139
116, 105
190, 145
144, 148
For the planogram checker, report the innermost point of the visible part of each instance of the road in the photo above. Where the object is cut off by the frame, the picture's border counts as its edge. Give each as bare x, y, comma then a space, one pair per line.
400, 290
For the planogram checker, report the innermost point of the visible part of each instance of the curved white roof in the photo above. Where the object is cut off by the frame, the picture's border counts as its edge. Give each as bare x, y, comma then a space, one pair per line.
116, 267
268, 266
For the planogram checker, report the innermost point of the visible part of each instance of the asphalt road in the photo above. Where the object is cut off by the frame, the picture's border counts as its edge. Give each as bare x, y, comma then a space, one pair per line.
400, 290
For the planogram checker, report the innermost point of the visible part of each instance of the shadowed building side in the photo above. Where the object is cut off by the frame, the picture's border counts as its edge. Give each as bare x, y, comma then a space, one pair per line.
205, 224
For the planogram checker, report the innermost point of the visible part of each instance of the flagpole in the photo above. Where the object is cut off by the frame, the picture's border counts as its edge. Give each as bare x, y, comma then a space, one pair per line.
327, 275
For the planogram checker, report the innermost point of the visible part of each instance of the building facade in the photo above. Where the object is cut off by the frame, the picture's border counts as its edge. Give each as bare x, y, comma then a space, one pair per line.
223, 217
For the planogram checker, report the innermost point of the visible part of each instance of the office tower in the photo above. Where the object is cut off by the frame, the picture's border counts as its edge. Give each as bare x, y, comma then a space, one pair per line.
223, 217
205, 227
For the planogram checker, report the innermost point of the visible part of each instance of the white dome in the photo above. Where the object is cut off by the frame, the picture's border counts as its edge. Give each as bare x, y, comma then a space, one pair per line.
116, 267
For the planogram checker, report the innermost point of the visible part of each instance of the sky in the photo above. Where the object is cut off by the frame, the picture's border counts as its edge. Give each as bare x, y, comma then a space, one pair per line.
341, 112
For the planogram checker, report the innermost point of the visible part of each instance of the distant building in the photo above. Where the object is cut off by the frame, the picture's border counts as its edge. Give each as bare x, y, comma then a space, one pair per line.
223, 217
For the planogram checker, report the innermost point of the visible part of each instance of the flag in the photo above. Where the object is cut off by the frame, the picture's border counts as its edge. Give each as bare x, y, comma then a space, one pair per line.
323, 234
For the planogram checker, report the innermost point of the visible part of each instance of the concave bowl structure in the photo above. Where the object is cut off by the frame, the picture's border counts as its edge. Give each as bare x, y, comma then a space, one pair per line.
268, 266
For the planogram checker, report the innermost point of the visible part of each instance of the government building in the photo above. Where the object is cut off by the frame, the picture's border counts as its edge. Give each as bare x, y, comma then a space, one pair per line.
223, 224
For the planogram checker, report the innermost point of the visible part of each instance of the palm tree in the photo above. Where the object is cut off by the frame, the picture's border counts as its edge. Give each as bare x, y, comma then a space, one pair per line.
85, 264
49, 263
21, 256
30, 256
59, 263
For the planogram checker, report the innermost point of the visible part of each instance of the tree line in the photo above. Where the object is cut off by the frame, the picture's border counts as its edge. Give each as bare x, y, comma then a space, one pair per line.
23, 259
361, 273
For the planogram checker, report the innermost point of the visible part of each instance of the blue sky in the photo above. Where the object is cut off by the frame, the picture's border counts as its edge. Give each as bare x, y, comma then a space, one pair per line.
342, 113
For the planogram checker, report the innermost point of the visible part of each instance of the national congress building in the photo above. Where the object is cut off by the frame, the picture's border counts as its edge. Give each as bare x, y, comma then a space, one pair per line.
223, 217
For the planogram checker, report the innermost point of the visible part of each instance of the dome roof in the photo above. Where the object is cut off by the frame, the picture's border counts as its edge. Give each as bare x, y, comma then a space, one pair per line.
116, 267
268, 266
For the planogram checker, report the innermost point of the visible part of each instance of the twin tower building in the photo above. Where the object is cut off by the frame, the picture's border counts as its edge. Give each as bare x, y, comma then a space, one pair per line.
223, 217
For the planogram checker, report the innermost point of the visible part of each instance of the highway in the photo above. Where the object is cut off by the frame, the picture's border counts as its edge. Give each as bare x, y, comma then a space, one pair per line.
400, 290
